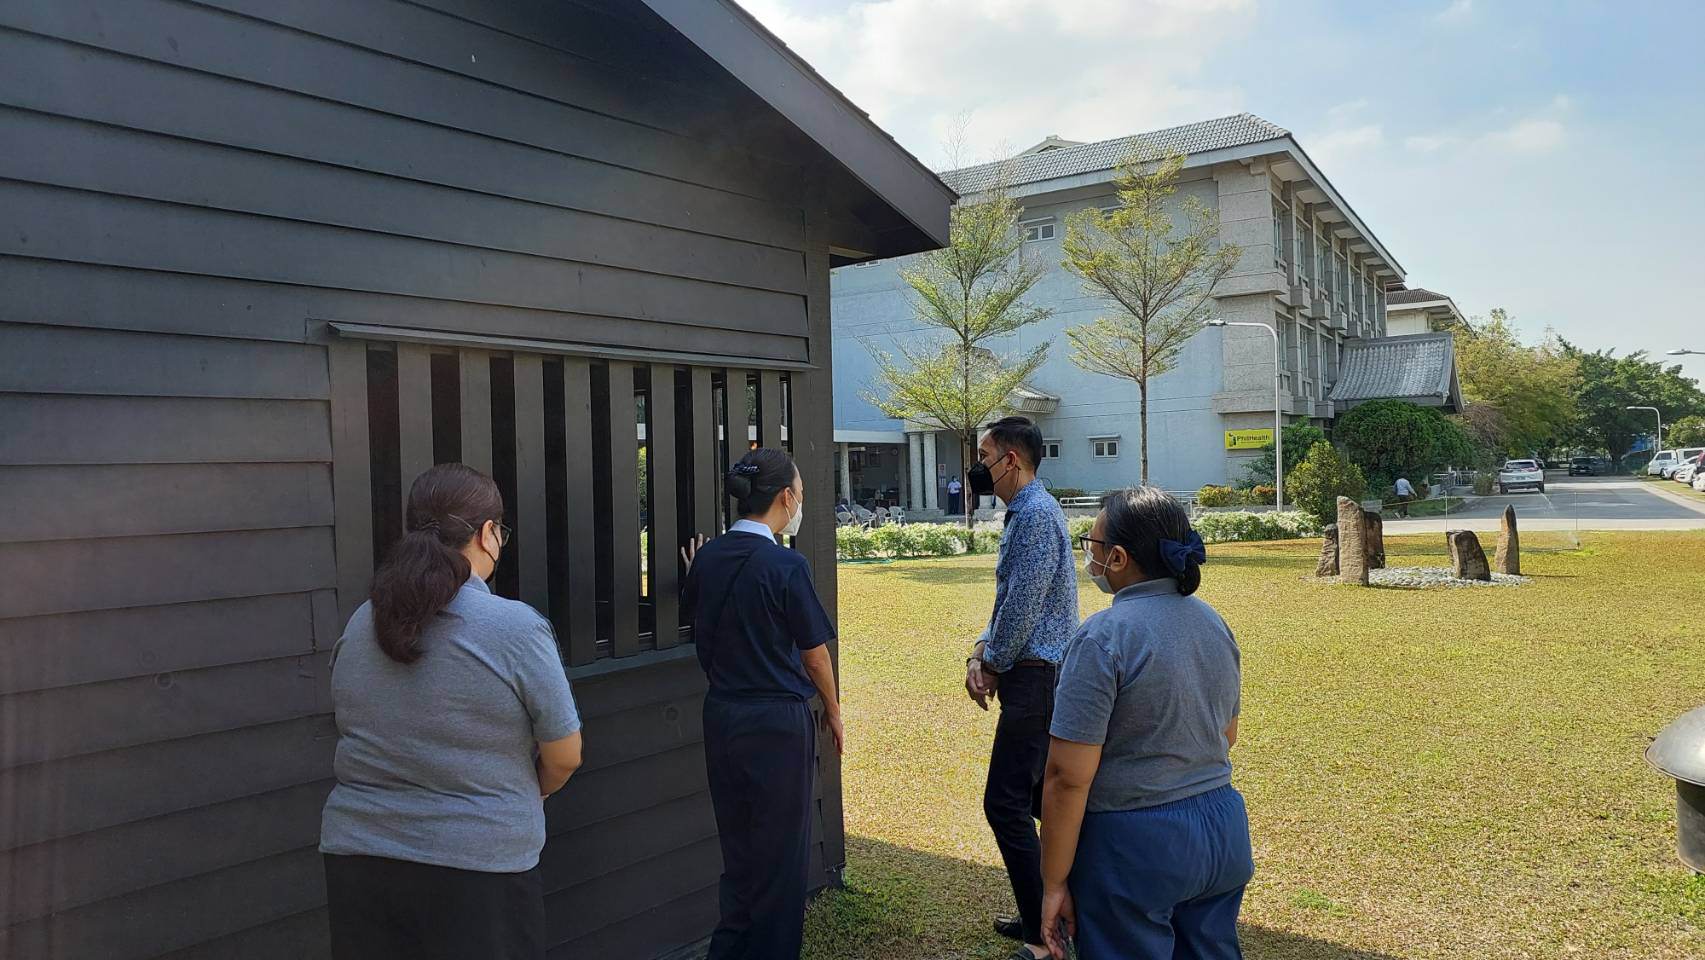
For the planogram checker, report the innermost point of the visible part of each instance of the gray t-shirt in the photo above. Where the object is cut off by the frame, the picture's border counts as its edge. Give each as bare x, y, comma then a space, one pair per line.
1154, 680
435, 758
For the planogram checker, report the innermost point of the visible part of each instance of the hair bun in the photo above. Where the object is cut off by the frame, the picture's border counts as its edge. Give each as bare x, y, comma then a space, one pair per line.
739, 483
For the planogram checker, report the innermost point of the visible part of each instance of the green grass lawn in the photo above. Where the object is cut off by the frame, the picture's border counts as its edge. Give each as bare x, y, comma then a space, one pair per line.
1684, 489
1440, 774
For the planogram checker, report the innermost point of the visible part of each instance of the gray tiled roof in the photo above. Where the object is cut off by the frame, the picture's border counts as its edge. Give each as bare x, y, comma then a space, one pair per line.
1218, 134
1418, 295
1420, 368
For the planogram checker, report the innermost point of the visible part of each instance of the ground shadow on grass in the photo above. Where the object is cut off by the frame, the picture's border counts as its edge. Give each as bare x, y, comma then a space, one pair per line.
904, 904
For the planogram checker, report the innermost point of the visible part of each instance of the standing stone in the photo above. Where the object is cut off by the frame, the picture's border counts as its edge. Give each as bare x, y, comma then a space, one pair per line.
1328, 565
1467, 559
1509, 544
1375, 533
1352, 542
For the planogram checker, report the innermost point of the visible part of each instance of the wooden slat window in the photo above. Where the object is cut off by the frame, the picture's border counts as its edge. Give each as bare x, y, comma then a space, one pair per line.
607, 467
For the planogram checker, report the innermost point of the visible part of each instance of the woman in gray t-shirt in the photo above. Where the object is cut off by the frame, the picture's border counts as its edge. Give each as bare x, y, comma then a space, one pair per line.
1145, 843
454, 721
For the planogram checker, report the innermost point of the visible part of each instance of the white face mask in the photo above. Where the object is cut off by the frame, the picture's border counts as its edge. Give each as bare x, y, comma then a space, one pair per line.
793, 521
1099, 579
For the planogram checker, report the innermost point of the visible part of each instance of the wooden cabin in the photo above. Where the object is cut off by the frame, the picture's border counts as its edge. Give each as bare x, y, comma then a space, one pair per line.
261, 263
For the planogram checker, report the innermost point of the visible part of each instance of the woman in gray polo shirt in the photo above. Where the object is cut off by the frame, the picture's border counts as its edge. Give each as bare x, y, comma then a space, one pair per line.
1145, 843
454, 722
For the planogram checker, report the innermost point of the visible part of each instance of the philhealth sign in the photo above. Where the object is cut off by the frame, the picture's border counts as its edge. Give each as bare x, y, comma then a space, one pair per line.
1248, 439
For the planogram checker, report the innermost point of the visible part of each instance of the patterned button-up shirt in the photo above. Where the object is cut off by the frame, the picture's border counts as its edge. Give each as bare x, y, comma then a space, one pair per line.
1035, 584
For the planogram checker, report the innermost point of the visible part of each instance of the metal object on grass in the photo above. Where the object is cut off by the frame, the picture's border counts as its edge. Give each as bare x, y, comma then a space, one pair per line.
1679, 751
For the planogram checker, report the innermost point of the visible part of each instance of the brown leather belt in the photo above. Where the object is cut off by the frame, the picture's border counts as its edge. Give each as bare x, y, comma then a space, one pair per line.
1034, 663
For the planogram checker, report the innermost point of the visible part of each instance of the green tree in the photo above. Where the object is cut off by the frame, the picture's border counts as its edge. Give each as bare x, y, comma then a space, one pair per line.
1299, 439
1321, 478
969, 294
1534, 387
1686, 432
1609, 385
1156, 278
1388, 439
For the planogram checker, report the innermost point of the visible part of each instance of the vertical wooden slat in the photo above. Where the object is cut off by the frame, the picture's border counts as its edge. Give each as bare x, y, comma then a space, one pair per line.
665, 541
734, 435
769, 409
704, 455
530, 481
624, 513
352, 491
414, 415
814, 429
476, 408
580, 621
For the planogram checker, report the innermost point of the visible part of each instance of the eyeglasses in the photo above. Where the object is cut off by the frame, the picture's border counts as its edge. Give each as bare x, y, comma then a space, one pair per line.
504, 531
1084, 541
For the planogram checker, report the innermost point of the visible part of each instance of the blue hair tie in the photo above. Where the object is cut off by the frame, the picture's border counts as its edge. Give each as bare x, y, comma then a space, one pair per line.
1177, 555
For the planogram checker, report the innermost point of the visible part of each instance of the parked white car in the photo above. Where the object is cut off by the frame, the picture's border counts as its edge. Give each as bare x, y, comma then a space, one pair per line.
1521, 475
1665, 458
1685, 457
1699, 480
1689, 469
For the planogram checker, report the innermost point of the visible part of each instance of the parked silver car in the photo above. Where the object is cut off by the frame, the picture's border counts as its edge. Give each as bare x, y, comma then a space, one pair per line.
1521, 475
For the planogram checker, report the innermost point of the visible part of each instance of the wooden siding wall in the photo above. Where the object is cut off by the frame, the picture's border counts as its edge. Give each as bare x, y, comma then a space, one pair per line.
206, 183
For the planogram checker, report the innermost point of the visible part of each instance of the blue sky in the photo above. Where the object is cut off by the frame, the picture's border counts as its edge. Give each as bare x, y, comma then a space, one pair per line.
1545, 157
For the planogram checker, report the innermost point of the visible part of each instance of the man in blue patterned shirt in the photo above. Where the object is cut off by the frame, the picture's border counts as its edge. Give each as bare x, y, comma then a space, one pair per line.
1017, 658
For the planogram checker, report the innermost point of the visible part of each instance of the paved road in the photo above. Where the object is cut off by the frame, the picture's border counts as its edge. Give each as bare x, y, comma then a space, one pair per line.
1589, 503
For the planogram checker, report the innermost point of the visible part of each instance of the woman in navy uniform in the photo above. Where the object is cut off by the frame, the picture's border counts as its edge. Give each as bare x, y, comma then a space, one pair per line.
761, 635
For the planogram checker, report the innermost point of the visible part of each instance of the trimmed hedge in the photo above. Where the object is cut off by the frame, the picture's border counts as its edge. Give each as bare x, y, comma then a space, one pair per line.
946, 539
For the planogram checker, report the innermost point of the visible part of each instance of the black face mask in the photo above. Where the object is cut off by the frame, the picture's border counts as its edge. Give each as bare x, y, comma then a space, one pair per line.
982, 480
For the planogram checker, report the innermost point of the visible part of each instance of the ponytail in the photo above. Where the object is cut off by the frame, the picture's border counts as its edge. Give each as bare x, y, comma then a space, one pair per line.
448, 506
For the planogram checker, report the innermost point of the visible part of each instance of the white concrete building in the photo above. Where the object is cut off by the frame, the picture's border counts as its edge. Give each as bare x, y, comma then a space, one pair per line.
1311, 270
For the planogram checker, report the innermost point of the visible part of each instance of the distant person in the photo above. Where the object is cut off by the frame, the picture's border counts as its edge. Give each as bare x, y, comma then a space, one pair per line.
454, 722
1405, 493
954, 489
1016, 660
1145, 843
761, 635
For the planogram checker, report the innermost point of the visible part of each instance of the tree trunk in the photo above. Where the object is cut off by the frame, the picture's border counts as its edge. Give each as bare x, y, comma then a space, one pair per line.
965, 479
1143, 423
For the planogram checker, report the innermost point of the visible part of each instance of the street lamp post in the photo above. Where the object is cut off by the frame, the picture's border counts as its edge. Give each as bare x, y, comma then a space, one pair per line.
1278, 407
1658, 438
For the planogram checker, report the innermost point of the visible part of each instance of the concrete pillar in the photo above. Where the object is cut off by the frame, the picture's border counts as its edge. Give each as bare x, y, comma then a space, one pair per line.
931, 488
915, 467
846, 470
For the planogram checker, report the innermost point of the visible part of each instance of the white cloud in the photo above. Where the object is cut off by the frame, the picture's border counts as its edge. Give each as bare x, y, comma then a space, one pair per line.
1458, 11
1533, 135
1088, 69
1340, 145
1428, 143
1343, 111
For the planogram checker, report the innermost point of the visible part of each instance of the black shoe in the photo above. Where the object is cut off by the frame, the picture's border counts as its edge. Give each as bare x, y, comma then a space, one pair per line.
1011, 928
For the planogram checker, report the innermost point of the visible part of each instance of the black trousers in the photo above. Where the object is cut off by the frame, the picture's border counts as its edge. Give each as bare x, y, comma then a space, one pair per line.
381, 908
761, 757
1012, 798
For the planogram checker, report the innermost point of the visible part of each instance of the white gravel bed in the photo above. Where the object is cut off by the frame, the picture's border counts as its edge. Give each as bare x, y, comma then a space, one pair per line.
1428, 577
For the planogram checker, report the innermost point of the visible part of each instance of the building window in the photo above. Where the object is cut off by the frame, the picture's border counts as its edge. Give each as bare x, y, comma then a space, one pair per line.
1104, 448
1050, 449
1323, 258
1042, 229
1281, 218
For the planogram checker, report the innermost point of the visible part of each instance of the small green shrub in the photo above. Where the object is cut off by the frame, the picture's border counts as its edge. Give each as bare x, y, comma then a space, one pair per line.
1234, 526
854, 543
1079, 527
1483, 483
1261, 495
1216, 496
1066, 493
1321, 478
985, 540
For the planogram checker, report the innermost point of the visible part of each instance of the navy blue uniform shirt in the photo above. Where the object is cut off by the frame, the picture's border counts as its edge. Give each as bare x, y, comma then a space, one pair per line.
766, 612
